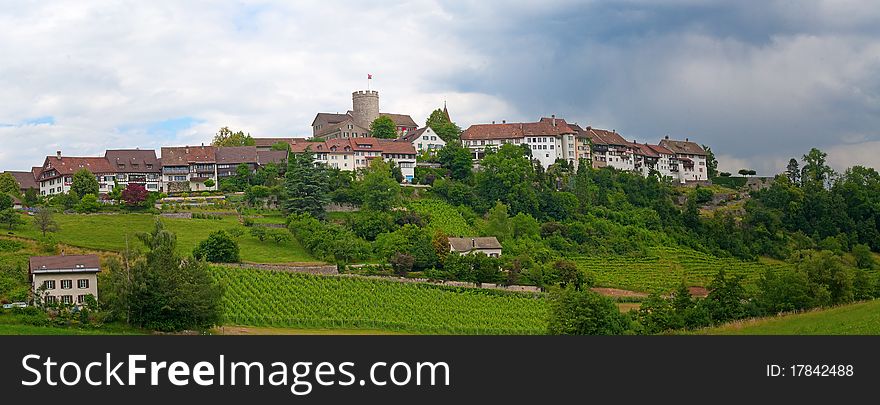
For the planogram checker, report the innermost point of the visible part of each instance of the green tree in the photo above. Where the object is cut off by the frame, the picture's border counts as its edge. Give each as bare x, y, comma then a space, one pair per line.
711, 162
225, 137
863, 257
281, 146
456, 159
8, 185
304, 186
210, 183
10, 218
569, 275
497, 222
88, 204
44, 220
31, 197
816, 171
84, 182
5, 201
793, 172
508, 176
218, 248
439, 122
384, 128
574, 312
379, 191
160, 290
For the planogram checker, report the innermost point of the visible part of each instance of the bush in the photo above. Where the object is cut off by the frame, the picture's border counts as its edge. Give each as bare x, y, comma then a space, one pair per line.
218, 248
574, 312
88, 204
259, 232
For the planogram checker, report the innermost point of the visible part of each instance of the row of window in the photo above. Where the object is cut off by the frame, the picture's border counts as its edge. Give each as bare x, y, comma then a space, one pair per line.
66, 284
66, 299
536, 147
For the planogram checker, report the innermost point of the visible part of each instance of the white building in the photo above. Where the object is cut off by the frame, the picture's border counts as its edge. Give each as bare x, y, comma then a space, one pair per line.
488, 245
691, 158
56, 175
351, 154
424, 140
188, 168
548, 139
64, 279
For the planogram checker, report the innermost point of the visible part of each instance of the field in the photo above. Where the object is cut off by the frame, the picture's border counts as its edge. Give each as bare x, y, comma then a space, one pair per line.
443, 216
109, 232
666, 268
856, 319
285, 300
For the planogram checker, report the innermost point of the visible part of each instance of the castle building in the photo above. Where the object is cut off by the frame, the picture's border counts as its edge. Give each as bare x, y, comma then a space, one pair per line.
355, 123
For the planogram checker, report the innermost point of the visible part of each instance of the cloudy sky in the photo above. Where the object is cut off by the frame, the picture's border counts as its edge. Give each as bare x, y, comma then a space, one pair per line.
758, 81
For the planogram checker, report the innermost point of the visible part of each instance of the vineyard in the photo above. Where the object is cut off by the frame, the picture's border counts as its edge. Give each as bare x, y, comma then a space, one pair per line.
278, 299
666, 268
443, 216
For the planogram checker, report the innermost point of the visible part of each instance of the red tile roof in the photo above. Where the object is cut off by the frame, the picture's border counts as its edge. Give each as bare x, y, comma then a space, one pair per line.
66, 165
645, 150
661, 150
351, 145
184, 155
236, 154
389, 146
544, 127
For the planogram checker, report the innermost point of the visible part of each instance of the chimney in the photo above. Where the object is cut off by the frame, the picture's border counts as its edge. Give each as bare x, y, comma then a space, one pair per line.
503, 121
493, 122
686, 140
473, 243
589, 127
58, 154
553, 118
666, 137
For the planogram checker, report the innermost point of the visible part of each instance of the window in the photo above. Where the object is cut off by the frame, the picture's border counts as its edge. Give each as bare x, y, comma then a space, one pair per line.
82, 283
67, 299
49, 284
80, 299
51, 299
66, 284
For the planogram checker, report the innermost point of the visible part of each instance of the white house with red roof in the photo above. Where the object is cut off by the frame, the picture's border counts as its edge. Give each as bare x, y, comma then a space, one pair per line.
351, 154
548, 139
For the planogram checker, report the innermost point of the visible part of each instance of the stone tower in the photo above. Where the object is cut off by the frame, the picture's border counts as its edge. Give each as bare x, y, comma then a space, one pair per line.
365, 107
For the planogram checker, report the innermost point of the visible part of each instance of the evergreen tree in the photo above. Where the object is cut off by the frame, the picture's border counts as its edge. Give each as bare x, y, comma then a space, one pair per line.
305, 185
711, 162
793, 172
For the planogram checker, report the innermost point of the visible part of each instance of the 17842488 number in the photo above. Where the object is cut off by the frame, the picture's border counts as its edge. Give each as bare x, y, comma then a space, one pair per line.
810, 370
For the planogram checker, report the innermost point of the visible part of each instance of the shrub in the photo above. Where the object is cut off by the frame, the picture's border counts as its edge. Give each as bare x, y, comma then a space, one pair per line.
218, 248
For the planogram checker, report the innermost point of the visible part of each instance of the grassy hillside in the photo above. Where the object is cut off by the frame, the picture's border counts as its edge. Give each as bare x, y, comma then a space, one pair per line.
286, 300
855, 319
443, 216
666, 268
109, 232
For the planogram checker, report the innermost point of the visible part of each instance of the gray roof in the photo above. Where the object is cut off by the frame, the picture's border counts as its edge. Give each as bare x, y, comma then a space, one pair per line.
236, 154
132, 160
64, 263
468, 244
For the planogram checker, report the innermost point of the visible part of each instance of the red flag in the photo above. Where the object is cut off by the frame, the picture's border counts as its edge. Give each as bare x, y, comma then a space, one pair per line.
369, 76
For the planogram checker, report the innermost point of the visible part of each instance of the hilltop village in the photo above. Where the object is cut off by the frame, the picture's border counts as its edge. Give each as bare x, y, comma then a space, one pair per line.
345, 141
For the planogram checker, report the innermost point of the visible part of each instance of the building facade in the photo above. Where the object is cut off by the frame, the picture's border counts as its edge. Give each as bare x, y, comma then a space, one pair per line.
351, 154
488, 245
691, 158
424, 140
548, 139
56, 175
64, 279
187, 168
135, 166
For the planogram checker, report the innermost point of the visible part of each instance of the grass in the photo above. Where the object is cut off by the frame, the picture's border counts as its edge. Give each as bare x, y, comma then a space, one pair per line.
110, 231
667, 267
251, 330
263, 298
855, 319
